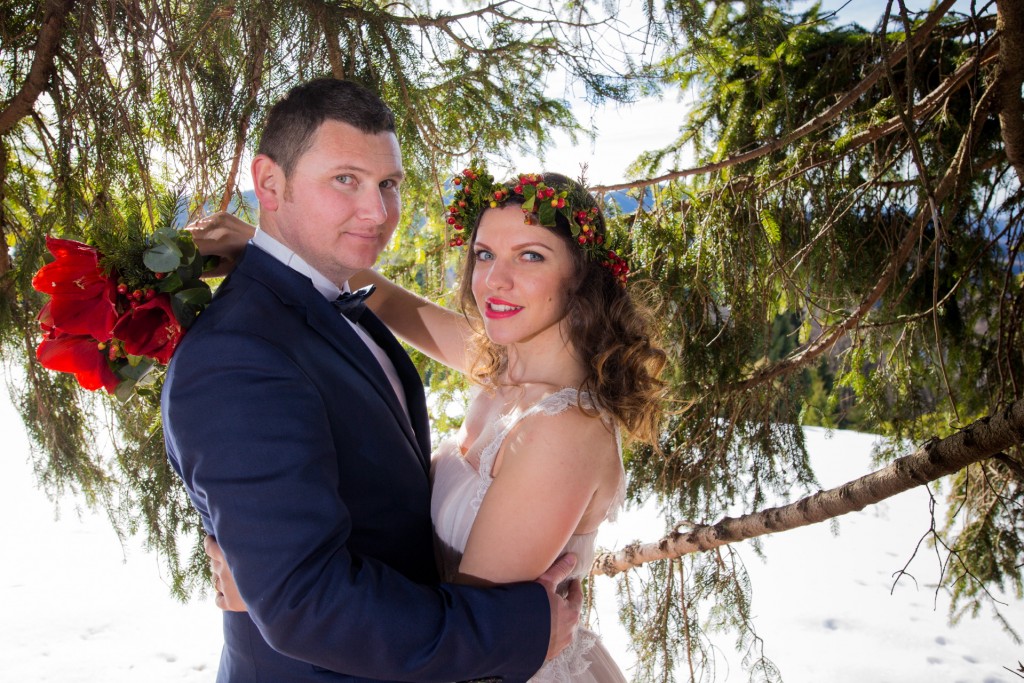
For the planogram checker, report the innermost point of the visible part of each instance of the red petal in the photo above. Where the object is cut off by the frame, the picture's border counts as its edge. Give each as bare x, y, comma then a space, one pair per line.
61, 247
78, 276
150, 329
79, 355
95, 317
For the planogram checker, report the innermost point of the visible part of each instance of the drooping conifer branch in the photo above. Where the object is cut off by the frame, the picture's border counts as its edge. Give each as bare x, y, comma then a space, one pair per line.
253, 83
813, 125
938, 458
54, 14
954, 172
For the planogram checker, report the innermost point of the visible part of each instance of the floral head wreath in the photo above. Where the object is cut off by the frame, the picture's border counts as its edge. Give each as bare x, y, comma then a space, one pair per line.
476, 192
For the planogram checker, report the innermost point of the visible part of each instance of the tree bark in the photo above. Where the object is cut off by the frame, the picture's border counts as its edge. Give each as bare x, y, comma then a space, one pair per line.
983, 439
54, 14
6, 285
1010, 27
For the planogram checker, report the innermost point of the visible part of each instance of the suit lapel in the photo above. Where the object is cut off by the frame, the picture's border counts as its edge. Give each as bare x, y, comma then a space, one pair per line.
296, 290
323, 318
410, 377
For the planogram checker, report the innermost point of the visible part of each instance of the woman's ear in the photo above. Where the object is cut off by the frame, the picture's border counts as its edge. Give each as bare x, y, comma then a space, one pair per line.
269, 182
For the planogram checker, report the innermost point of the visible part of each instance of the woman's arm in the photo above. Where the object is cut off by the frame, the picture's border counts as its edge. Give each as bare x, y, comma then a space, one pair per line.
556, 477
438, 332
221, 234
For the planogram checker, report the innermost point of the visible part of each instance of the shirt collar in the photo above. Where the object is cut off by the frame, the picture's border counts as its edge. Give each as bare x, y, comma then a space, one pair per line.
285, 255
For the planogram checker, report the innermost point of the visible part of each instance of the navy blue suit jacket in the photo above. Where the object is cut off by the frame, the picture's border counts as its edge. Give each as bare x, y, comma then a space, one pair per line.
302, 463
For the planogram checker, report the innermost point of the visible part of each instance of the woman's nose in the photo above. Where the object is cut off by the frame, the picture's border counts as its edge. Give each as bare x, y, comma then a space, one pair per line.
498, 275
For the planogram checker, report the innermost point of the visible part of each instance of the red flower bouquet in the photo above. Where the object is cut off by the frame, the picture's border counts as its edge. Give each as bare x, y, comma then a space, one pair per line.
109, 323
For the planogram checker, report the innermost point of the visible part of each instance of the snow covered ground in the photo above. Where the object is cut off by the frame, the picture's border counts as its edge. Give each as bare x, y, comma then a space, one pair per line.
77, 606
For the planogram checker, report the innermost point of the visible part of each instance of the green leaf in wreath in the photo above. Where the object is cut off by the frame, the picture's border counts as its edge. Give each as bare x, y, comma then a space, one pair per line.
546, 213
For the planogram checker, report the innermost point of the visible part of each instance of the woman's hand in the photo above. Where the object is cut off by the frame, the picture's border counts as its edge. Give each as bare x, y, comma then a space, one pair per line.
221, 234
228, 598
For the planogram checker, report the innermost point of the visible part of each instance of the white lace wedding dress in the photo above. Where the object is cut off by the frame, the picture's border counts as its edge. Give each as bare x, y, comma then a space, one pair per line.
458, 490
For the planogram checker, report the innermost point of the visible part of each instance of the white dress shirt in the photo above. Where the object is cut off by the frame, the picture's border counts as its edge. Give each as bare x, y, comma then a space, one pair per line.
330, 291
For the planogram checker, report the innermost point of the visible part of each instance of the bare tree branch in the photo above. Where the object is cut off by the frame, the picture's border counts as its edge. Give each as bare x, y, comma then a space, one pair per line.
1010, 25
255, 81
938, 458
6, 286
42, 64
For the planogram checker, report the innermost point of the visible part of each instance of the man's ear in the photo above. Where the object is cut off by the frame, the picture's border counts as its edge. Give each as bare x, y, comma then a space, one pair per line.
269, 182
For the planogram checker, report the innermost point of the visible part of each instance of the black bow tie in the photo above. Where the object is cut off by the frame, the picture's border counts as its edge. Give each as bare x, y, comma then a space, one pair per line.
352, 304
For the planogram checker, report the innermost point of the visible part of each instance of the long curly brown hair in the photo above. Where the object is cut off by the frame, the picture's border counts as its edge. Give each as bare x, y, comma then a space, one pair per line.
611, 331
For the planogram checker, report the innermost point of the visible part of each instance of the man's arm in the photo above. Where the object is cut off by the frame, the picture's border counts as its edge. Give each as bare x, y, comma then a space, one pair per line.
255, 446
565, 611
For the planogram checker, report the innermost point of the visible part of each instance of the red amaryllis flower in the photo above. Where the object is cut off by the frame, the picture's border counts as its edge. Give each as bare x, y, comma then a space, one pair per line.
83, 296
80, 355
150, 329
45, 319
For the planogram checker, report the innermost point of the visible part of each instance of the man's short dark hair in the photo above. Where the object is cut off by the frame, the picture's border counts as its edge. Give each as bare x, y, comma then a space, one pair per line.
293, 121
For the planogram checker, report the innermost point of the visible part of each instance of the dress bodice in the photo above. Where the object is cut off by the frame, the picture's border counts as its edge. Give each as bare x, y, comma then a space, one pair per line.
459, 489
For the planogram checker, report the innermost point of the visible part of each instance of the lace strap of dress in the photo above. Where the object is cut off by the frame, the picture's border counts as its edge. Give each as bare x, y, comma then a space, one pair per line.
552, 404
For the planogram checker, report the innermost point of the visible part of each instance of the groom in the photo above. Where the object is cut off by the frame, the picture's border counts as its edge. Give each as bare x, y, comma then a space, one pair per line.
301, 435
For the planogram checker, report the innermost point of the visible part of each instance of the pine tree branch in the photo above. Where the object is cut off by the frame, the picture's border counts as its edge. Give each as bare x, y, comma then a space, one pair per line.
54, 14
959, 166
255, 81
813, 125
932, 102
923, 109
937, 458
1010, 76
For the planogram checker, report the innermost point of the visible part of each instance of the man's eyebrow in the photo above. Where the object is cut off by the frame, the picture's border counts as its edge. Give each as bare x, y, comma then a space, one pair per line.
344, 167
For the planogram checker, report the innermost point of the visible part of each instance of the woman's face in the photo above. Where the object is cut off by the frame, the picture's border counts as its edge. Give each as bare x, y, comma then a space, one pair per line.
521, 277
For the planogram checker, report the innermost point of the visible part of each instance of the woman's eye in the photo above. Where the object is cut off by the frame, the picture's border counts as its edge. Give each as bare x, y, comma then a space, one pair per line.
482, 255
532, 256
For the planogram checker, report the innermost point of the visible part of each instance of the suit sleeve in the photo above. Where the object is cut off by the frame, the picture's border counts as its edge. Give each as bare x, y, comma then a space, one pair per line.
251, 437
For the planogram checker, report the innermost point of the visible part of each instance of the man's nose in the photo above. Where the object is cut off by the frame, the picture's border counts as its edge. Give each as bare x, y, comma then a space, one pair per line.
371, 206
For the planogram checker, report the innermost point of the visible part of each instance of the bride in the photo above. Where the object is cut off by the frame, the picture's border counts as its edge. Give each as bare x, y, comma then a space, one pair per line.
563, 362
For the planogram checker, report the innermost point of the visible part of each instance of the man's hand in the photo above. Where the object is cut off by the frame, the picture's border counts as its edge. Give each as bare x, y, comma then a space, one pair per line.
228, 598
565, 612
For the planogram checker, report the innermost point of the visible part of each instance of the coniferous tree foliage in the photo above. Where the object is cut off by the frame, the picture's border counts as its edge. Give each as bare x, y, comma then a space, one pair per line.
861, 185
107, 109
837, 241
